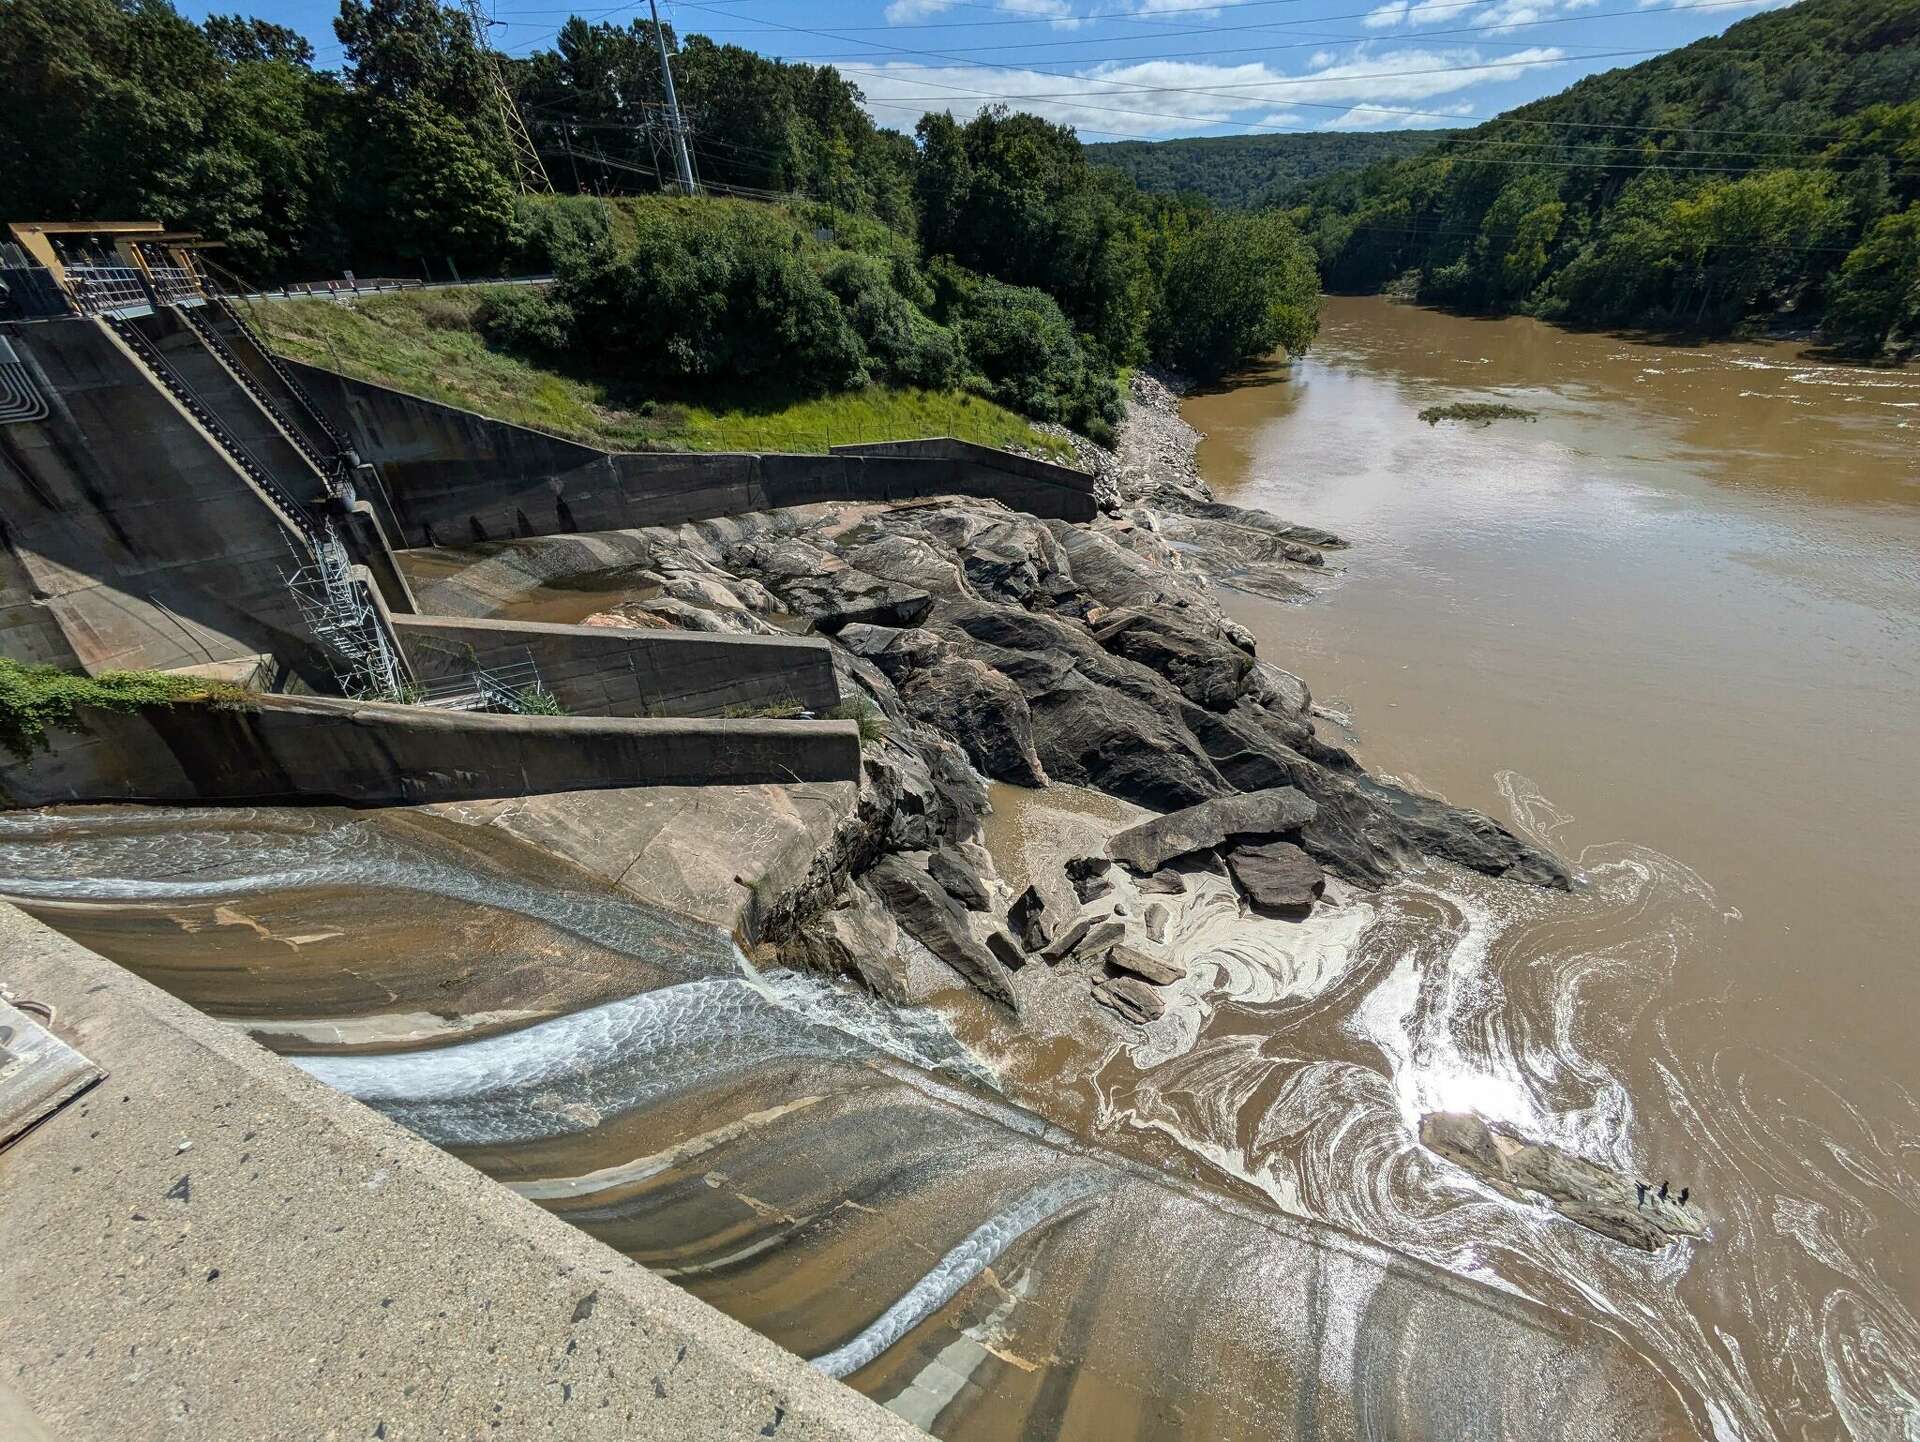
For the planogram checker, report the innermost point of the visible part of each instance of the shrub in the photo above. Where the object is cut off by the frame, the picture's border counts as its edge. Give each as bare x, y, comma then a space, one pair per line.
1238, 287
1030, 360
861, 710
718, 291
32, 698
528, 320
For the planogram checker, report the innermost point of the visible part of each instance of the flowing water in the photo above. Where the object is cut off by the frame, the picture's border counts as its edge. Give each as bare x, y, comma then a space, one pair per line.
1670, 627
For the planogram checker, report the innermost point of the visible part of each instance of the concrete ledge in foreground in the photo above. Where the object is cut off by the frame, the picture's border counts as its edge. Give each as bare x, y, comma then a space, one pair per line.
306, 1269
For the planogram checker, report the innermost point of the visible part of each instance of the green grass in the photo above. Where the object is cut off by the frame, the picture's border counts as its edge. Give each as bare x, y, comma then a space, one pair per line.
33, 698
426, 344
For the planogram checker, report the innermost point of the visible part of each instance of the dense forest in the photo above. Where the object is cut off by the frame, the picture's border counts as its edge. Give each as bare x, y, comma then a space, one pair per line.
1253, 171
984, 254
1775, 168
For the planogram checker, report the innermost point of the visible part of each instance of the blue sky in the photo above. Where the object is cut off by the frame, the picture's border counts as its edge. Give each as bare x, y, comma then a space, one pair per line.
1155, 69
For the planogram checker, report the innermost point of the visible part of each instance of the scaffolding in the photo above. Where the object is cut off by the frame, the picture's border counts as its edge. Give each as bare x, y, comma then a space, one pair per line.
512, 688
338, 609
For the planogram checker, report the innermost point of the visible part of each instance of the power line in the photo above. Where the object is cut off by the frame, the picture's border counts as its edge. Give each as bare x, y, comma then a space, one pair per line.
1245, 101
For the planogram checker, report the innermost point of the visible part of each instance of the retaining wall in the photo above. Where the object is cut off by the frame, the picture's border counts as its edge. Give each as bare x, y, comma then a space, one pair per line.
309, 1269
312, 748
454, 477
609, 671
132, 541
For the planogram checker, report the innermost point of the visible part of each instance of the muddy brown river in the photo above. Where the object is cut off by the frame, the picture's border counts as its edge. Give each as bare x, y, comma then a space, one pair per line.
1672, 628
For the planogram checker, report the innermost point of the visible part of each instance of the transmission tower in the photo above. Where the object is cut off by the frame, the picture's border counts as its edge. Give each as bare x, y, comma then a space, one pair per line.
676, 127
528, 170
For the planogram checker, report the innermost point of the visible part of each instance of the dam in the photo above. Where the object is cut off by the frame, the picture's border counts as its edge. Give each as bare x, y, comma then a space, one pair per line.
462, 1066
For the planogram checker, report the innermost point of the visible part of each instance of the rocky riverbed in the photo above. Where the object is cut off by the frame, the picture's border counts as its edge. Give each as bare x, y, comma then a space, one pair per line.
984, 645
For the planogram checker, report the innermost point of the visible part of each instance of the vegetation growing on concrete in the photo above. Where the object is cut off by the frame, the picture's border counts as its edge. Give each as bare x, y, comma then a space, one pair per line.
1477, 413
860, 709
538, 701
430, 344
34, 698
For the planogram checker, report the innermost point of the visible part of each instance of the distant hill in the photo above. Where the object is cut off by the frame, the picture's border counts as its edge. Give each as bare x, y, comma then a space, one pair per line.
1774, 168
1243, 171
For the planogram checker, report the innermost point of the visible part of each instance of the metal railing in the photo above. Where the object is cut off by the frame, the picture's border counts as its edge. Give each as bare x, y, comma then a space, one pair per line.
99, 289
286, 378
333, 469
499, 688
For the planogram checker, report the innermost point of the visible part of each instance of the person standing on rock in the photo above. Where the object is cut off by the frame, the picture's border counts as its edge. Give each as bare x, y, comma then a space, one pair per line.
1663, 1189
1683, 1195
1639, 1194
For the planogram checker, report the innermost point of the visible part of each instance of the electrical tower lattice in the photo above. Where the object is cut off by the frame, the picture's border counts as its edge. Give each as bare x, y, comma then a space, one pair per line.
528, 170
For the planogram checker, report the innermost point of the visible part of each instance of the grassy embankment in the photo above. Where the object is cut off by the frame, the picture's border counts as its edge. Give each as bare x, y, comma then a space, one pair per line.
427, 344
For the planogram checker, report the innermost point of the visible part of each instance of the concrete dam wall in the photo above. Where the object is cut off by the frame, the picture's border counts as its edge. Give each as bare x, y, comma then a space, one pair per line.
128, 539
609, 671
454, 477
313, 748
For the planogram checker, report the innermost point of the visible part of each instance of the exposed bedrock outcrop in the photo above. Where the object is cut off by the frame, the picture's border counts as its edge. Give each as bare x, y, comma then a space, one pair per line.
997, 645
1583, 1191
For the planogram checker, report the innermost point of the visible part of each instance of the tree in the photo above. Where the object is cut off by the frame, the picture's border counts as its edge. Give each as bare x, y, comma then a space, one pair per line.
1874, 305
1240, 287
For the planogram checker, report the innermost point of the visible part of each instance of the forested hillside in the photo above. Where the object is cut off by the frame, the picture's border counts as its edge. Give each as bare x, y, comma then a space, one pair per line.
1775, 167
989, 258
1246, 171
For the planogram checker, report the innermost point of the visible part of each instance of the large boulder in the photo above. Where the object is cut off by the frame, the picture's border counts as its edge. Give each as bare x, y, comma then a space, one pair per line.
1597, 1197
1257, 815
1277, 876
1208, 669
959, 878
935, 920
1032, 920
816, 583
984, 711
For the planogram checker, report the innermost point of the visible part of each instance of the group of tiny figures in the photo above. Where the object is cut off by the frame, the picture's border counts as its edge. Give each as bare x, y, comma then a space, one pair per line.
1640, 1200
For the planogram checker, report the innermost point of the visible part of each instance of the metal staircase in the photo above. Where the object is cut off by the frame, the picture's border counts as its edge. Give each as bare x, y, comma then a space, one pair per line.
336, 605
335, 468
290, 506
286, 378
504, 688
338, 609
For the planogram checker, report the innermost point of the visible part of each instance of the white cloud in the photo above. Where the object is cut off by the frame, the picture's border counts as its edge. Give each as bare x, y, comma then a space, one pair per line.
1161, 97
1374, 117
1412, 12
1721, 4
1514, 12
1060, 12
1282, 120
903, 12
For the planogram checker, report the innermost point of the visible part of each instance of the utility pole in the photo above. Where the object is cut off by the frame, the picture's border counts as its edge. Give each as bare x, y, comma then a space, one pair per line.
528, 171
682, 162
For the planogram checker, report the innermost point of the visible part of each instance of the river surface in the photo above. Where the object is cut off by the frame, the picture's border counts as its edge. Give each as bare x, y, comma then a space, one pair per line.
1671, 627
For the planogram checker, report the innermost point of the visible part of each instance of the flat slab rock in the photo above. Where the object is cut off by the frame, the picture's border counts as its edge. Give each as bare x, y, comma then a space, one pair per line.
1159, 970
1582, 1191
1132, 998
1277, 875
1252, 814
